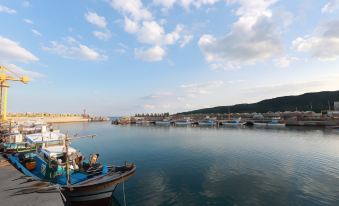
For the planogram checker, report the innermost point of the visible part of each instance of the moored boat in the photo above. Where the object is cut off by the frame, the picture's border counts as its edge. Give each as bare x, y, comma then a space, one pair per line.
275, 123
207, 122
185, 122
232, 122
164, 122
64, 168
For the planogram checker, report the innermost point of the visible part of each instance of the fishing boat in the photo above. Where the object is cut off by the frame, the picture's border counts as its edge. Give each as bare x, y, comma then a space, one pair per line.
31, 127
10, 148
207, 122
46, 138
232, 122
185, 122
275, 123
164, 122
63, 167
260, 124
12, 141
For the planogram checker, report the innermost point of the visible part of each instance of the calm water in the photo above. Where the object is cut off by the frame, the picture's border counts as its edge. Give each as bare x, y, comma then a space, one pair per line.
225, 166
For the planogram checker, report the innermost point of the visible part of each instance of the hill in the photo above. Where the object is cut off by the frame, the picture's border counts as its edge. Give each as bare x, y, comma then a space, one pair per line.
315, 101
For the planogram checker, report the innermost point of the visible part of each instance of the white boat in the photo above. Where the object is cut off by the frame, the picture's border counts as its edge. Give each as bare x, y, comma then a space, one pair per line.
51, 138
164, 122
207, 122
142, 122
185, 122
260, 124
29, 127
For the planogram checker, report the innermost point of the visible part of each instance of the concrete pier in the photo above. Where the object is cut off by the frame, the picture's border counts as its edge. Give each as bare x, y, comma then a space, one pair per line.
18, 190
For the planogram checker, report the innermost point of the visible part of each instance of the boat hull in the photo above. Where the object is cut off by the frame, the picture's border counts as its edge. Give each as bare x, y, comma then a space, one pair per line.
183, 123
207, 124
236, 124
98, 188
91, 193
275, 125
160, 123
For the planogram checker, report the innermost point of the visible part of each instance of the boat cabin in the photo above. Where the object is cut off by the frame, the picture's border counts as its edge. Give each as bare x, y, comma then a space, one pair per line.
46, 138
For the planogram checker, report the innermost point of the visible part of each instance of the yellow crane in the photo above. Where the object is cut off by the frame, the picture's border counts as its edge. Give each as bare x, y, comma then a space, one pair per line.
7, 75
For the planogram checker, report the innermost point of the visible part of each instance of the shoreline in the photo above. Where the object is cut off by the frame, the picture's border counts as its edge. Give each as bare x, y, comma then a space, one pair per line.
50, 119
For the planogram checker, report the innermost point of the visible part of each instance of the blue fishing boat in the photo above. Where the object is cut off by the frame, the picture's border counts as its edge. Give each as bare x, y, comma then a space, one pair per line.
275, 123
232, 122
64, 168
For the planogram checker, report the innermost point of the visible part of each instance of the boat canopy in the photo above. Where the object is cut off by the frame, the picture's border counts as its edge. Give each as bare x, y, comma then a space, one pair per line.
57, 151
45, 137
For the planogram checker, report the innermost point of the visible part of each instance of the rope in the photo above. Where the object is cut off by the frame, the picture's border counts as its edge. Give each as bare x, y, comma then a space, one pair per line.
123, 189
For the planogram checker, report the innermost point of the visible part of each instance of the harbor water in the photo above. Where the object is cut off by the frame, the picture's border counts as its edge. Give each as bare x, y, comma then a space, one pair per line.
218, 166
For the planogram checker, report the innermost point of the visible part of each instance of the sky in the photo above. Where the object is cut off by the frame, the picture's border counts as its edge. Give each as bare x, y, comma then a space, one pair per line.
121, 57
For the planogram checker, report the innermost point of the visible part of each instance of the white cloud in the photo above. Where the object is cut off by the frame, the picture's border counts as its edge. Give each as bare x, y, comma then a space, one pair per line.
131, 26
185, 40
122, 48
23, 72
132, 8
72, 49
184, 97
173, 37
151, 33
95, 19
197, 3
321, 83
149, 106
152, 54
28, 21
165, 3
4, 9
330, 6
154, 34
324, 44
186, 4
102, 35
253, 37
159, 95
285, 61
12, 51
37, 33
139, 21
194, 90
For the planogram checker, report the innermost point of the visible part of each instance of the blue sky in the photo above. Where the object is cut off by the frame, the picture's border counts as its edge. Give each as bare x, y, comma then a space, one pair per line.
120, 57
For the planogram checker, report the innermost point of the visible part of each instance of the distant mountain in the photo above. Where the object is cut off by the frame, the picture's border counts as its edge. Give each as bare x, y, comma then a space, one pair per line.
315, 101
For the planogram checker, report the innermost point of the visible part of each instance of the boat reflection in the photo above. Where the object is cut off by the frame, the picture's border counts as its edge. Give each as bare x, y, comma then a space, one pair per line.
112, 201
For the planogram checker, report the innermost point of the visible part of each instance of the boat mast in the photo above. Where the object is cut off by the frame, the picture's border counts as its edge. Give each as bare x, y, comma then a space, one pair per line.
68, 177
67, 140
229, 114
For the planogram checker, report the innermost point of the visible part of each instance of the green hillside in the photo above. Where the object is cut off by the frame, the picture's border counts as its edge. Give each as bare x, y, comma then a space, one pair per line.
315, 101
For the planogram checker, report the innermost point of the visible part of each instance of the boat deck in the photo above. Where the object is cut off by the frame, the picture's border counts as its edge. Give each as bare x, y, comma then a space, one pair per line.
15, 190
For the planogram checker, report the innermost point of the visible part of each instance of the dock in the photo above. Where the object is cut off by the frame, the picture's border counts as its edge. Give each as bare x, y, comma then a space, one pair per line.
18, 190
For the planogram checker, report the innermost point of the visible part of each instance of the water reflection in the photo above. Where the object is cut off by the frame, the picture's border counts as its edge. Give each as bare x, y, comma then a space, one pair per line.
112, 201
219, 166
